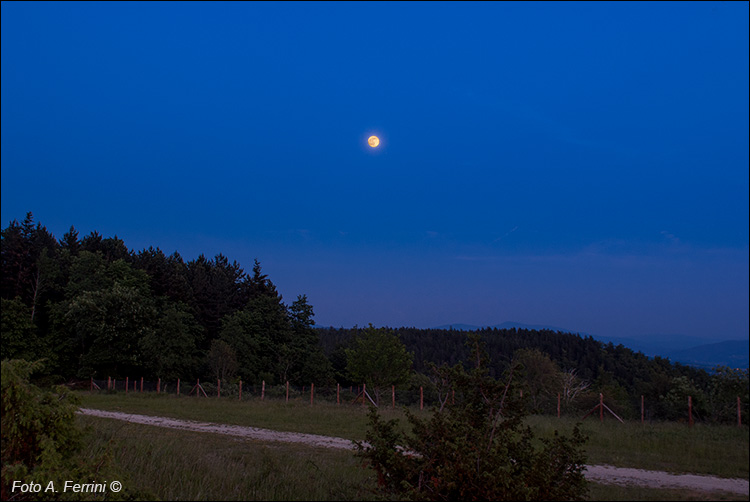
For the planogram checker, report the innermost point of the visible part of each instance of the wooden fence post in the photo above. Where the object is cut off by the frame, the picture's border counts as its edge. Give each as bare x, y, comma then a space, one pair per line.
240, 389
109, 383
178, 386
127, 384
218, 387
601, 407
642, 408
91, 385
197, 387
312, 392
739, 412
141, 384
363, 394
421, 398
338, 388
393, 396
690, 411
287, 391
262, 390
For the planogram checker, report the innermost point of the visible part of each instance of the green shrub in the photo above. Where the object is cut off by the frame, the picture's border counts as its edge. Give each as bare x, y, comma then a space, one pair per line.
41, 442
476, 448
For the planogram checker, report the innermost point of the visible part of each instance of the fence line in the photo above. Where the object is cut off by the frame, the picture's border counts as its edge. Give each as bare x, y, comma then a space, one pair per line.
405, 396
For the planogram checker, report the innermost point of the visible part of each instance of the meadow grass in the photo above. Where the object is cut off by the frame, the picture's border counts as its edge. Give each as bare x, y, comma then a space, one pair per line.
329, 419
603, 492
182, 465
718, 450
674, 447
168, 464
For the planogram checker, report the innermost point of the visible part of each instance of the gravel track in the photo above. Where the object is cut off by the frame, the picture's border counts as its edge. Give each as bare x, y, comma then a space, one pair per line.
598, 473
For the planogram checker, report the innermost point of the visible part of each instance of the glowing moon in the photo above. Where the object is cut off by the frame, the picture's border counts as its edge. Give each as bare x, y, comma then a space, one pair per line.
373, 141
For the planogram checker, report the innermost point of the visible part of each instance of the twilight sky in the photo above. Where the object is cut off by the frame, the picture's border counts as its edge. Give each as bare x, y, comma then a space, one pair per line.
581, 165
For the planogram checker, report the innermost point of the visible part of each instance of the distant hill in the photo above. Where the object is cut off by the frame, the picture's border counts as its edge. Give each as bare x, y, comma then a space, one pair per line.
691, 350
658, 344
694, 351
732, 353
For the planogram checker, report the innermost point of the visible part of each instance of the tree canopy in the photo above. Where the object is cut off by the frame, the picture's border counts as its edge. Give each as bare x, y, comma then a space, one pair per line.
379, 359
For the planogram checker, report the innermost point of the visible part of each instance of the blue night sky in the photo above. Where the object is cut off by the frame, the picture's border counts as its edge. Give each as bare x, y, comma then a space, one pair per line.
581, 165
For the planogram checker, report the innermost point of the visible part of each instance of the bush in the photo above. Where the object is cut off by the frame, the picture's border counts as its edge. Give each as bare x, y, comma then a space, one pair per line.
475, 449
40, 439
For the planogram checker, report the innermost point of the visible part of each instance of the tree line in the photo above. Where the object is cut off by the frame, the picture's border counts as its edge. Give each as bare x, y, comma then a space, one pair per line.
90, 307
577, 368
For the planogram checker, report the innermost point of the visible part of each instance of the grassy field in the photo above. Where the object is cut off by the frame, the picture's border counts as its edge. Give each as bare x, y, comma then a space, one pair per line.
703, 449
158, 461
346, 421
169, 464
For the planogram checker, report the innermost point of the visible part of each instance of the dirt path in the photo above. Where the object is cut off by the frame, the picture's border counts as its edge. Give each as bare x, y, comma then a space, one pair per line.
597, 473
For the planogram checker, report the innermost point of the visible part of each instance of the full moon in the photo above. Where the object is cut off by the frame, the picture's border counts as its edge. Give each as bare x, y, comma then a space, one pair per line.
373, 141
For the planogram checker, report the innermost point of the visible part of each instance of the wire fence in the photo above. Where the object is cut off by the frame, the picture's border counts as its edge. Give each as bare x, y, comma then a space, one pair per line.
591, 404
245, 391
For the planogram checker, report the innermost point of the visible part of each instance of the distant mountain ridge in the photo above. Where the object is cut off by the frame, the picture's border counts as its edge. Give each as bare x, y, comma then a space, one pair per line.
691, 350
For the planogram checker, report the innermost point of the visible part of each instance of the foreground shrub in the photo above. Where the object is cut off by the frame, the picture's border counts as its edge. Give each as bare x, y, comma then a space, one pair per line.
41, 441
474, 446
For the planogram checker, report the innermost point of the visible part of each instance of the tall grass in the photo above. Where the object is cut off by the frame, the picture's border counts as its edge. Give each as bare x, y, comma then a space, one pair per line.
329, 419
718, 450
601, 492
702, 449
168, 464
713, 450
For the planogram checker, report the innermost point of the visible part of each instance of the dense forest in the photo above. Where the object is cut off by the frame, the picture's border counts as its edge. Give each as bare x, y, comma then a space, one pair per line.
90, 307
577, 367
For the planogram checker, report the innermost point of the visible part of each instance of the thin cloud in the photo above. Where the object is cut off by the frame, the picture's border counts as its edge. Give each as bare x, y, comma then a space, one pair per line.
670, 237
506, 234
